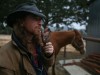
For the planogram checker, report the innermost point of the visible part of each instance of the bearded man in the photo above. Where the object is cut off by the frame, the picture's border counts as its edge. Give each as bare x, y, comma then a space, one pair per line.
24, 54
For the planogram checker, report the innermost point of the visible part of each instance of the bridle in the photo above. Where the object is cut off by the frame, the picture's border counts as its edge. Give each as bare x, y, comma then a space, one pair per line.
74, 42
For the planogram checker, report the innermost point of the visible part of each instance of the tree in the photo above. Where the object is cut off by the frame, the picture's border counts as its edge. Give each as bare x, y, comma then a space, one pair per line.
56, 11
64, 11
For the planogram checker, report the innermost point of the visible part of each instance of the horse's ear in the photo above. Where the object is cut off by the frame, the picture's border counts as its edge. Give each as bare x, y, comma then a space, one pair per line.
77, 32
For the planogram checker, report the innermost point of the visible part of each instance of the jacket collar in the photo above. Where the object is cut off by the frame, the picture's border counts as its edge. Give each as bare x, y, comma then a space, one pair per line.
17, 42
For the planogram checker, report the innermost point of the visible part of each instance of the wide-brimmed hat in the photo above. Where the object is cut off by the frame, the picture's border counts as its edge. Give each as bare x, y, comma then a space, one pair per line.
27, 8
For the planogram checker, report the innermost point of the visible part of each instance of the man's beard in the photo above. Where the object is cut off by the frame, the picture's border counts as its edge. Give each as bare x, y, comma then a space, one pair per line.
23, 35
36, 38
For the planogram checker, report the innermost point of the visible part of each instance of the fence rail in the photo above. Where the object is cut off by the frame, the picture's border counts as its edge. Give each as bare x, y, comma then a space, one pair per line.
92, 39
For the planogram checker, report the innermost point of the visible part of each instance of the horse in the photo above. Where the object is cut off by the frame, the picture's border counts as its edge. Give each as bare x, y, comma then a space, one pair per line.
60, 39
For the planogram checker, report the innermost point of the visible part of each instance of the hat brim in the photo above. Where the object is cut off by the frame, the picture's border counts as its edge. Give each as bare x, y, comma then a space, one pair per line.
35, 13
12, 15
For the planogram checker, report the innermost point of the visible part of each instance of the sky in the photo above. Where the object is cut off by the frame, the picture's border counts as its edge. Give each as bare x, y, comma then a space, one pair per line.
73, 25
78, 26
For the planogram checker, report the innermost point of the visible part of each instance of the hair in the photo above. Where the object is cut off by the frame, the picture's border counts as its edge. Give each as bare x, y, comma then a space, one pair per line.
20, 31
17, 17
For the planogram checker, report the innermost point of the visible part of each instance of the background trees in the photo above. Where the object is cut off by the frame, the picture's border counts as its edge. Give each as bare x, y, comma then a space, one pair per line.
64, 11
56, 11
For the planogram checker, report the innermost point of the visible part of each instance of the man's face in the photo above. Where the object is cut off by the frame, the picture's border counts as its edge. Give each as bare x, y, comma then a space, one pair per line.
32, 24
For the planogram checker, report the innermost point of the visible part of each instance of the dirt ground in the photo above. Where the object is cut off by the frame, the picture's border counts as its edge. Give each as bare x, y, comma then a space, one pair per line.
71, 53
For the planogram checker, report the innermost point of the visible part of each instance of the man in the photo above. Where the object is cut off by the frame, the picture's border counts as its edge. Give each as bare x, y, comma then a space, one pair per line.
26, 54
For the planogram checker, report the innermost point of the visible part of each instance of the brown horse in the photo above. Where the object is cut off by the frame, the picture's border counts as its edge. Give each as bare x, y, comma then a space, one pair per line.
63, 38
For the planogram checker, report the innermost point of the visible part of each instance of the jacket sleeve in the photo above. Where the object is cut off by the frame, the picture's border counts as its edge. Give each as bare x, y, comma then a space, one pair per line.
48, 61
6, 65
4, 71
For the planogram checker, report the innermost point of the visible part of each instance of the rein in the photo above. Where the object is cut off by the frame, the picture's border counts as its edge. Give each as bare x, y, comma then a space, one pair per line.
42, 38
73, 41
45, 38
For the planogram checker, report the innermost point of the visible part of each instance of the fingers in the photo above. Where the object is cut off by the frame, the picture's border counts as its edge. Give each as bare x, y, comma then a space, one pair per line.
49, 48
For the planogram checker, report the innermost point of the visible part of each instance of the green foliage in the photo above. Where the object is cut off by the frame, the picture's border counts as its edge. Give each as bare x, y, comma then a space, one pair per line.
64, 11
56, 11
5, 30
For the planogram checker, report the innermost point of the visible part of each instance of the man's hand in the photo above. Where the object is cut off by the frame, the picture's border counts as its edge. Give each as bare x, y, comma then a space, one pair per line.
48, 49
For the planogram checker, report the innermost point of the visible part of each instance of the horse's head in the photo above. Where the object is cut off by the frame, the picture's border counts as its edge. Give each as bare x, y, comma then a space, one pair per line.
78, 42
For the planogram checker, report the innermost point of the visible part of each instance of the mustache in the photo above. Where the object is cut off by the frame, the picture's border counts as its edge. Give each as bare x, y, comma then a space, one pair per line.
36, 38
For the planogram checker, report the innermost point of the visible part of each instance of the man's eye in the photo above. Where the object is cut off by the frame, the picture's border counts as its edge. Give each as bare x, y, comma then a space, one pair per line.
37, 18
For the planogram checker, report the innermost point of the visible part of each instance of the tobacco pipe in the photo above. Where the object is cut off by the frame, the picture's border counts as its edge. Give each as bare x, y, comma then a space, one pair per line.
45, 37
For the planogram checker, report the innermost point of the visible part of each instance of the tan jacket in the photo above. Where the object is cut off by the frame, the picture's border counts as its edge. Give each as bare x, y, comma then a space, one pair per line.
10, 58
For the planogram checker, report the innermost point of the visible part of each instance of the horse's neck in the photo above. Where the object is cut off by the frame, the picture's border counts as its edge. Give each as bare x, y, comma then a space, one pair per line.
64, 38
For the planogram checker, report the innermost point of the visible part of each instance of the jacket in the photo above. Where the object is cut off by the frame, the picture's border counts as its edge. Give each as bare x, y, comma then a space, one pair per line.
11, 58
